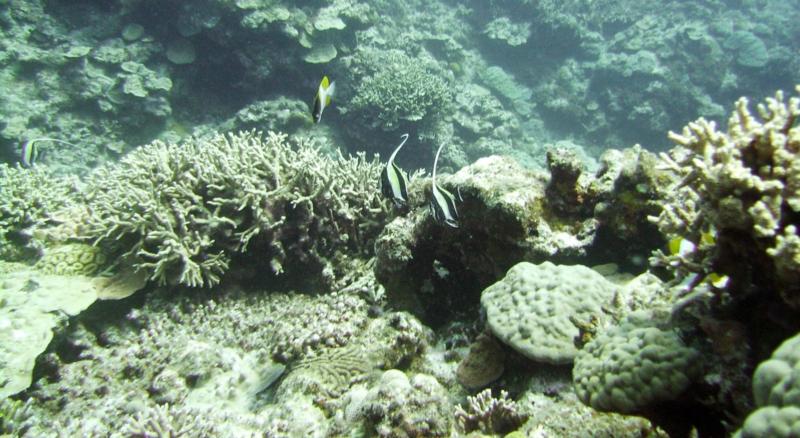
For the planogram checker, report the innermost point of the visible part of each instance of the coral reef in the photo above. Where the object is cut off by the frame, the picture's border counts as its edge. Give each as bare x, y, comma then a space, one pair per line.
32, 307
530, 308
775, 385
489, 415
616, 73
14, 417
183, 211
511, 214
402, 406
628, 187
741, 185
166, 421
30, 199
77, 79
189, 353
397, 91
319, 342
565, 416
633, 365
502, 28
279, 115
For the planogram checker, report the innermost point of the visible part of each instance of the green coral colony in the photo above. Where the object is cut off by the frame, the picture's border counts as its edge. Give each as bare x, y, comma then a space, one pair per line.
496, 229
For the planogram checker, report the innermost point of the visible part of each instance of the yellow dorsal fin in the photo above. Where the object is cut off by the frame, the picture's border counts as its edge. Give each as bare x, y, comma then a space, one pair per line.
675, 245
708, 238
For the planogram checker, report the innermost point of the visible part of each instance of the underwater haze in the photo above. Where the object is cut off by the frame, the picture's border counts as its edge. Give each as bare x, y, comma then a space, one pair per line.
510, 218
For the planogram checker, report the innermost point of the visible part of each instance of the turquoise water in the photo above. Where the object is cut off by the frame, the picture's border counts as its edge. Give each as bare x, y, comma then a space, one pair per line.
201, 235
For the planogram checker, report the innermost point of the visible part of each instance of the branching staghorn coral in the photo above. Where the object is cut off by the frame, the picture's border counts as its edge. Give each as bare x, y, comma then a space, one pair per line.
30, 198
490, 415
181, 211
400, 90
742, 184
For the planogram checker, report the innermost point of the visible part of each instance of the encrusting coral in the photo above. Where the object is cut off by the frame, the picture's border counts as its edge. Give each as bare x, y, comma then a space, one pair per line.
181, 351
182, 211
743, 185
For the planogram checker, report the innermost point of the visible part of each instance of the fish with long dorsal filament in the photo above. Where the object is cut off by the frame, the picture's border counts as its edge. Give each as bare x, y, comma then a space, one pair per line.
394, 181
323, 98
443, 203
30, 149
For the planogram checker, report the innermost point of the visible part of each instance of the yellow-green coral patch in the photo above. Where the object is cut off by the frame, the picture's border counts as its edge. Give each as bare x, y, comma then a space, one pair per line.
72, 259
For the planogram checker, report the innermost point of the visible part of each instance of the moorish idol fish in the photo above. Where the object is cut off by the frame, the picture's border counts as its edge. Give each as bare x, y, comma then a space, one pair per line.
30, 149
394, 182
323, 98
443, 204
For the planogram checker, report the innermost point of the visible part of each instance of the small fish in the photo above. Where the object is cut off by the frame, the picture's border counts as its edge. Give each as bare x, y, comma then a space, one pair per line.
394, 181
719, 281
30, 149
443, 203
323, 98
681, 246
30, 153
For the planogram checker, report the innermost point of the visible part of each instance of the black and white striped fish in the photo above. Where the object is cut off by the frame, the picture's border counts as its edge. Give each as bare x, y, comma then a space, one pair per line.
443, 203
29, 153
30, 149
394, 181
323, 98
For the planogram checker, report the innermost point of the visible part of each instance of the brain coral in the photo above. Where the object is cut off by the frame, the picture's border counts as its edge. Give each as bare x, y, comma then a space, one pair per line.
72, 259
630, 366
530, 308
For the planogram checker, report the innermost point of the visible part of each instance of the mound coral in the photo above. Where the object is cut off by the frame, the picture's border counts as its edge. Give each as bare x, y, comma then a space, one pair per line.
530, 308
775, 386
633, 365
400, 90
180, 212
